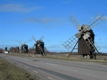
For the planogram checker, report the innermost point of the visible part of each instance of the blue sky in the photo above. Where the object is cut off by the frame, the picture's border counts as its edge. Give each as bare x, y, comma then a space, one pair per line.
20, 19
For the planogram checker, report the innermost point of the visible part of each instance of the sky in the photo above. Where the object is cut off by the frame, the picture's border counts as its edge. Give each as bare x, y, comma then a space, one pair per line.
20, 19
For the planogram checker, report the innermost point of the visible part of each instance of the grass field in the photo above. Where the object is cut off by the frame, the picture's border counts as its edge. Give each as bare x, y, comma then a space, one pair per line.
11, 72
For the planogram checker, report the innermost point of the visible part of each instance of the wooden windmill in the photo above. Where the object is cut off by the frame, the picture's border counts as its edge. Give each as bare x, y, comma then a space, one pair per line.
24, 47
85, 36
39, 46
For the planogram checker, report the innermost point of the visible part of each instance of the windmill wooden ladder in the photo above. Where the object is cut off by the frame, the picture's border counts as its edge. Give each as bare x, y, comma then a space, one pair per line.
93, 49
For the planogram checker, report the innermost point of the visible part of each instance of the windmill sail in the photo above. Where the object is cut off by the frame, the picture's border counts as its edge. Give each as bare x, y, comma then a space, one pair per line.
74, 21
97, 20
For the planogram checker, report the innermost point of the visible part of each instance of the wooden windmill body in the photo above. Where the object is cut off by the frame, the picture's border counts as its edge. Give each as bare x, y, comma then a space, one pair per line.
24, 48
83, 48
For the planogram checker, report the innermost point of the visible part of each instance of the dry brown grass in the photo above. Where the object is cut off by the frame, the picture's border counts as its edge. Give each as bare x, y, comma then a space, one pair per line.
100, 58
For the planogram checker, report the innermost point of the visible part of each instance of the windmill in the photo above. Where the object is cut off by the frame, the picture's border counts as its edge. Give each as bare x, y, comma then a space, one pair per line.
24, 47
39, 46
85, 38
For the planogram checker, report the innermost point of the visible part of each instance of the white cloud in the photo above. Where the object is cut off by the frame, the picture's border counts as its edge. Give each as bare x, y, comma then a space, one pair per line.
17, 8
106, 17
44, 20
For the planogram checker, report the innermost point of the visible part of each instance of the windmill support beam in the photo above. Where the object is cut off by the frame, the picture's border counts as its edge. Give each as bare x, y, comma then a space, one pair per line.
72, 49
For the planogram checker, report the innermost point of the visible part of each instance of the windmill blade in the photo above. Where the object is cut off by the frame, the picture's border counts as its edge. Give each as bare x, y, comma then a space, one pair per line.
24, 42
74, 21
28, 41
34, 38
97, 20
72, 49
70, 42
41, 37
20, 43
86, 28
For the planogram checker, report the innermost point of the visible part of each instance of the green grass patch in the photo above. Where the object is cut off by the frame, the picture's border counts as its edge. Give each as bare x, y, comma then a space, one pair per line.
11, 72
